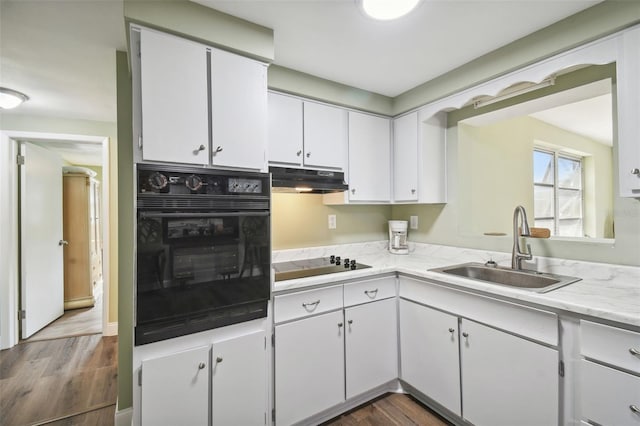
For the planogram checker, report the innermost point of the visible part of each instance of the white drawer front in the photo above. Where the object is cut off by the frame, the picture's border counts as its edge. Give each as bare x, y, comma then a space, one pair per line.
608, 395
523, 320
306, 303
370, 290
612, 345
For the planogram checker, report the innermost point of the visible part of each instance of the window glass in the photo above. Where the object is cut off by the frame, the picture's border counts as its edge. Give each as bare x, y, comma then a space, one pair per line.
569, 173
543, 167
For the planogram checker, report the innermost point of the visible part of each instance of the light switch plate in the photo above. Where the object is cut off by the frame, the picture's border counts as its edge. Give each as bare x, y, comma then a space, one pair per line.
332, 221
413, 222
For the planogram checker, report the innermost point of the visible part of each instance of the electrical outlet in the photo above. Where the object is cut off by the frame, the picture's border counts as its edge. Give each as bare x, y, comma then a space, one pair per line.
413, 220
332, 221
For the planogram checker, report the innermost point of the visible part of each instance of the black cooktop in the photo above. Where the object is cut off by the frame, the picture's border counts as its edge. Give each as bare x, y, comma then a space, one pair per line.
318, 266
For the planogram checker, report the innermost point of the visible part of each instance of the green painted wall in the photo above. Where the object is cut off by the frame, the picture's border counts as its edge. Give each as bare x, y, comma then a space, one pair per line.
125, 232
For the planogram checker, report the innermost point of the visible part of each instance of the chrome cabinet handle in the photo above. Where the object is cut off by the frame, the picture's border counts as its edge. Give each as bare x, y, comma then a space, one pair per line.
63, 243
635, 171
353, 191
311, 304
201, 366
465, 334
308, 154
340, 325
371, 293
634, 351
451, 330
634, 408
218, 149
218, 360
413, 191
350, 322
299, 153
201, 148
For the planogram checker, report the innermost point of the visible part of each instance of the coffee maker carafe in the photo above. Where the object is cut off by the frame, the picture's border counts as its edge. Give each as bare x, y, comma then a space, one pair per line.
398, 237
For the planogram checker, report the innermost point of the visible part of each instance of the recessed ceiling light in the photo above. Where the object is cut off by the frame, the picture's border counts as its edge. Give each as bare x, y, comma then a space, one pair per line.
385, 10
11, 98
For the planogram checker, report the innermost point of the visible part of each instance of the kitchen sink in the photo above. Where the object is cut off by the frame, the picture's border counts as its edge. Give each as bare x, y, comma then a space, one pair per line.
539, 282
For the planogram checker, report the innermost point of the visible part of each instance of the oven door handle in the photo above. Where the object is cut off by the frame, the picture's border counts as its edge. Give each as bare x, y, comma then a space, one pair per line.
158, 215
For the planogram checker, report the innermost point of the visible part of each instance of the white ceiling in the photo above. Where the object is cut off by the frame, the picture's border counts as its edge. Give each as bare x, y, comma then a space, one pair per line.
333, 39
62, 52
74, 152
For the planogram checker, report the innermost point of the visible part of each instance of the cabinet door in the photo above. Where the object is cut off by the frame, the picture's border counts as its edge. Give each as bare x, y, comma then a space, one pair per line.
507, 380
285, 130
371, 346
175, 389
369, 163
405, 158
238, 111
309, 367
175, 118
429, 353
239, 386
628, 69
325, 136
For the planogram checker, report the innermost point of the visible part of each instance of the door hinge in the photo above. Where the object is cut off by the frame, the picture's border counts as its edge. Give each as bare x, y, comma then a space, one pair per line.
139, 49
273, 340
273, 415
22, 314
561, 368
139, 141
140, 377
20, 160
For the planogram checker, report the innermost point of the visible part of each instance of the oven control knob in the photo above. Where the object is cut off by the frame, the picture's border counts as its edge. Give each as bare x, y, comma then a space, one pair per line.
346, 260
337, 260
158, 181
193, 182
353, 261
332, 259
346, 265
354, 266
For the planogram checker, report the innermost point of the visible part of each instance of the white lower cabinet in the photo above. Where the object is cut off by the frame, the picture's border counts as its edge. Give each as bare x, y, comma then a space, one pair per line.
371, 348
429, 353
309, 366
507, 380
239, 381
175, 389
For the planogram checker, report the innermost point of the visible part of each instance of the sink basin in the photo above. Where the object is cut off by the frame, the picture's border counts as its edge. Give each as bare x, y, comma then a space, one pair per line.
527, 280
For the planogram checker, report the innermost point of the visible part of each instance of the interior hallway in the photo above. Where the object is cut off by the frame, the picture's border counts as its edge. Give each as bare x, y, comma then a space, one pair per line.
75, 322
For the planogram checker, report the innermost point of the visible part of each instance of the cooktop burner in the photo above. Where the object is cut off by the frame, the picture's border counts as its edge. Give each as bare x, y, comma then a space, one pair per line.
311, 267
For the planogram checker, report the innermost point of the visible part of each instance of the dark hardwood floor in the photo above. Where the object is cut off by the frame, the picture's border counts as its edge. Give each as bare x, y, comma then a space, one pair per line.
70, 381
392, 409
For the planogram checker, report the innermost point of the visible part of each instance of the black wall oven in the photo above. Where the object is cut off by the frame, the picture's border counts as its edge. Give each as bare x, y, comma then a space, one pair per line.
203, 253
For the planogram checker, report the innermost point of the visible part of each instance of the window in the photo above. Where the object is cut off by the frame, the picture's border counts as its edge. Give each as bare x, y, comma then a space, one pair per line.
557, 192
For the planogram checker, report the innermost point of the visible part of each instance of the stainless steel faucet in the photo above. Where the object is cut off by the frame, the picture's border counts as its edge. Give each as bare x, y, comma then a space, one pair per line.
516, 255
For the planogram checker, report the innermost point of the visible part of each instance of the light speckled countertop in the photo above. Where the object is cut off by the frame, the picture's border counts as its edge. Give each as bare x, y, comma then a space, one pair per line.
608, 292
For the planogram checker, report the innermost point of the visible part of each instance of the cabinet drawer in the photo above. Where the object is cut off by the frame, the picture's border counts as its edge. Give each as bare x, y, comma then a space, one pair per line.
306, 303
370, 290
608, 395
612, 345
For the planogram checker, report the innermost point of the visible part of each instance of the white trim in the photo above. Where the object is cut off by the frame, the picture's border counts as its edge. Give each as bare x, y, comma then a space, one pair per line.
123, 417
9, 233
111, 329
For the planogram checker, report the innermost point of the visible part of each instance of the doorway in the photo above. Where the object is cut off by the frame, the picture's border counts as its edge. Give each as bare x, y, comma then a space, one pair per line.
81, 154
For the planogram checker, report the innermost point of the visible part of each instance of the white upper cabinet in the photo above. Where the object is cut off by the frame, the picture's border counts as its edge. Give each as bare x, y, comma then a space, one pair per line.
432, 158
306, 134
405, 158
238, 111
325, 136
369, 162
173, 91
628, 69
285, 130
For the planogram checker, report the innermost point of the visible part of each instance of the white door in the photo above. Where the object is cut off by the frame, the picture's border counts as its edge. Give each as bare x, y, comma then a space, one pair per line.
239, 387
371, 346
175, 389
429, 353
41, 246
309, 367
507, 380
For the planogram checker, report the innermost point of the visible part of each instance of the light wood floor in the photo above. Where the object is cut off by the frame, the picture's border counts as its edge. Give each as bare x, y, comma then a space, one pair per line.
75, 322
70, 381
393, 409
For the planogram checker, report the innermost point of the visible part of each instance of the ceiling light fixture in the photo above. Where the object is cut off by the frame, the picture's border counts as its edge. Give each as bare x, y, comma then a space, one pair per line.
550, 81
11, 98
386, 10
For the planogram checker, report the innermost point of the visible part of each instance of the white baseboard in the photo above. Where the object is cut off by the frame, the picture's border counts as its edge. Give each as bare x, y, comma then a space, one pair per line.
123, 417
111, 329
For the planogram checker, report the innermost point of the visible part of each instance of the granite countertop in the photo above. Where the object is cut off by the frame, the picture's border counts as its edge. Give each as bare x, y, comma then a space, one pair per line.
609, 292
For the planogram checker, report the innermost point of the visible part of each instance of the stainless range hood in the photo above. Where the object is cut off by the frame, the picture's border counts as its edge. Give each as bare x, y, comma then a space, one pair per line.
306, 181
